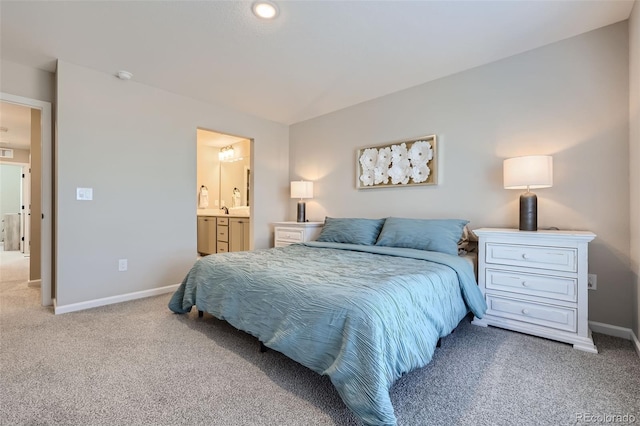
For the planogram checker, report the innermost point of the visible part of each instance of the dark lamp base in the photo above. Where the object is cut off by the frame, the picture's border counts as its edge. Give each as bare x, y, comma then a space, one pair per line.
528, 212
301, 211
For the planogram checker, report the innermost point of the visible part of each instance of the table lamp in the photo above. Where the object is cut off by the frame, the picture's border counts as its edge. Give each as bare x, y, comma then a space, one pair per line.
301, 189
530, 172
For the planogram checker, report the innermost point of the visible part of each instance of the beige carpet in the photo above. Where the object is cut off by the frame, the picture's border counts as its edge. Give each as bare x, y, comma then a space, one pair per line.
14, 265
14, 279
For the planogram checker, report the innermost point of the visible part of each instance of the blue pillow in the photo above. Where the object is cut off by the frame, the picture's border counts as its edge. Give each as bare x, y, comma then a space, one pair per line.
423, 234
350, 230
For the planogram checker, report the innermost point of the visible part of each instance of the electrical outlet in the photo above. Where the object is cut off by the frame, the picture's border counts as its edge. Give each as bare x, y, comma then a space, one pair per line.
122, 265
592, 283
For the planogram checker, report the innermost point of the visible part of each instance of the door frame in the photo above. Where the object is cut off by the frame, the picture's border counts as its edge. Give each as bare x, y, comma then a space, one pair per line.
46, 233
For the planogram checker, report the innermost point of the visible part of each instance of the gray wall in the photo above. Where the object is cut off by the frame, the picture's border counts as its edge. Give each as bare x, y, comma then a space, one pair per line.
136, 147
20, 80
634, 157
569, 99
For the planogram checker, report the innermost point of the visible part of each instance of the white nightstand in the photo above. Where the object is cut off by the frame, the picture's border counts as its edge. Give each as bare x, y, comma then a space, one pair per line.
295, 232
536, 283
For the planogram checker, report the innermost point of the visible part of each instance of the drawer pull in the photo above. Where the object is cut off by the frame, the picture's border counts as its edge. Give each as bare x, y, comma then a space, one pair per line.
525, 284
524, 256
525, 312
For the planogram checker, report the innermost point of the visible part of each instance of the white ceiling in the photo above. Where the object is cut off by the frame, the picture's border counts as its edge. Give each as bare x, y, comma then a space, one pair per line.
315, 58
16, 119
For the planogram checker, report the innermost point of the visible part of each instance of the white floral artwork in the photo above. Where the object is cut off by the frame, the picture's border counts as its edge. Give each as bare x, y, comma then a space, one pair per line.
384, 158
399, 153
420, 153
400, 171
381, 175
369, 158
367, 177
420, 173
403, 163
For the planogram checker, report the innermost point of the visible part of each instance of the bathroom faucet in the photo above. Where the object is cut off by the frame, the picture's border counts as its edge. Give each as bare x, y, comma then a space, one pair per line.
226, 210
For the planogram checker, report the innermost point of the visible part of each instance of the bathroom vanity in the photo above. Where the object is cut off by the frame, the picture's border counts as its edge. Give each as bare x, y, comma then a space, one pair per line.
220, 233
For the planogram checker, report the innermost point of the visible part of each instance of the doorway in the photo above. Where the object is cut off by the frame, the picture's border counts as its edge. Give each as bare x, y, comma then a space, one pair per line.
36, 210
224, 175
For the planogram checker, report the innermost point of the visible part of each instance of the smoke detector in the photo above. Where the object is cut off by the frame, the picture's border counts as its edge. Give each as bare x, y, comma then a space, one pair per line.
124, 75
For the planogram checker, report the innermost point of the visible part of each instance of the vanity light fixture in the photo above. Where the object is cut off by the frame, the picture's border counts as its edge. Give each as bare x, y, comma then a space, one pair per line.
534, 171
226, 153
265, 9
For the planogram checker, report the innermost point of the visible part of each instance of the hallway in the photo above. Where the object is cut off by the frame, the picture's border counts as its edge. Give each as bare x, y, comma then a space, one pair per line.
14, 279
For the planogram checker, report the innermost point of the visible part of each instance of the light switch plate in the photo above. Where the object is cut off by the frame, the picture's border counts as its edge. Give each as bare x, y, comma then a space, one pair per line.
84, 194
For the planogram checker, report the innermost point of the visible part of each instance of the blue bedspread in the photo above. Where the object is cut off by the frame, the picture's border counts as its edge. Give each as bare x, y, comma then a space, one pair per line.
363, 315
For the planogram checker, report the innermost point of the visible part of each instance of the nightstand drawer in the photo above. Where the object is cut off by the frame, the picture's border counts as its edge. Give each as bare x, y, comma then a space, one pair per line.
289, 234
534, 313
222, 247
557, 288
550, 258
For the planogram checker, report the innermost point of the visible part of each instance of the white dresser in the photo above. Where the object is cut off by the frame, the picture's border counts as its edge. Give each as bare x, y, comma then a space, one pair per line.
286, 233
536, 283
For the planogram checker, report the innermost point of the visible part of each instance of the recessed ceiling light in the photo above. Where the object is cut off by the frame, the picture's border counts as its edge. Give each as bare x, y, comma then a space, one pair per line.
265, 9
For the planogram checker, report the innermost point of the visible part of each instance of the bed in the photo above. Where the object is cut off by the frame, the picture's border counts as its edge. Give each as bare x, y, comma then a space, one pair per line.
360, 312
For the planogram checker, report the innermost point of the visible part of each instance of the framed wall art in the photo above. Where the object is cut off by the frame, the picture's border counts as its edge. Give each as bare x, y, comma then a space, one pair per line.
405, 163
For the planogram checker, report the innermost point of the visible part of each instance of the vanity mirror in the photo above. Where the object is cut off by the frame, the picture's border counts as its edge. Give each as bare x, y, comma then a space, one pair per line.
224, 168
235, 177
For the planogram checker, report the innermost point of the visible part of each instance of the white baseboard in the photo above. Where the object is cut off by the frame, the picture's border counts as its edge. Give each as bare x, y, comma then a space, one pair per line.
34, 283
73, 307
615, 331
610, 330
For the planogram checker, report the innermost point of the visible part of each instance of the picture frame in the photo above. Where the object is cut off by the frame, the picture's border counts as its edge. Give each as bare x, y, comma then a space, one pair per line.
410, 162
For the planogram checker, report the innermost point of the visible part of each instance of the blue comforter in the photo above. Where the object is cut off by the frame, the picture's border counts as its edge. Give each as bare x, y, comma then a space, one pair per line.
363, 315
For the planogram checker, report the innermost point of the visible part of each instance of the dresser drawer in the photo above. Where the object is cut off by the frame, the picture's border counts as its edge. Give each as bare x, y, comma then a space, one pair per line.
290, 235
534, 313
222, 247
557, 288
222, 221
550, 258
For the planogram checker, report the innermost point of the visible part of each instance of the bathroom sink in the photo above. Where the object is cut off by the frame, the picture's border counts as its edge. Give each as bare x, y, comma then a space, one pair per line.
240, 211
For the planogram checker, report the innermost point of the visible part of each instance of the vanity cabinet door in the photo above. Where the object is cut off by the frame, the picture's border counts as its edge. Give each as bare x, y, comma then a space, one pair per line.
238, 234
206, 235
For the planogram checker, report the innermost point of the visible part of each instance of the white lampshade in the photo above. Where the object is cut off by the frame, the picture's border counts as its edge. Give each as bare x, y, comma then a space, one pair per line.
301, 189
535, 171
